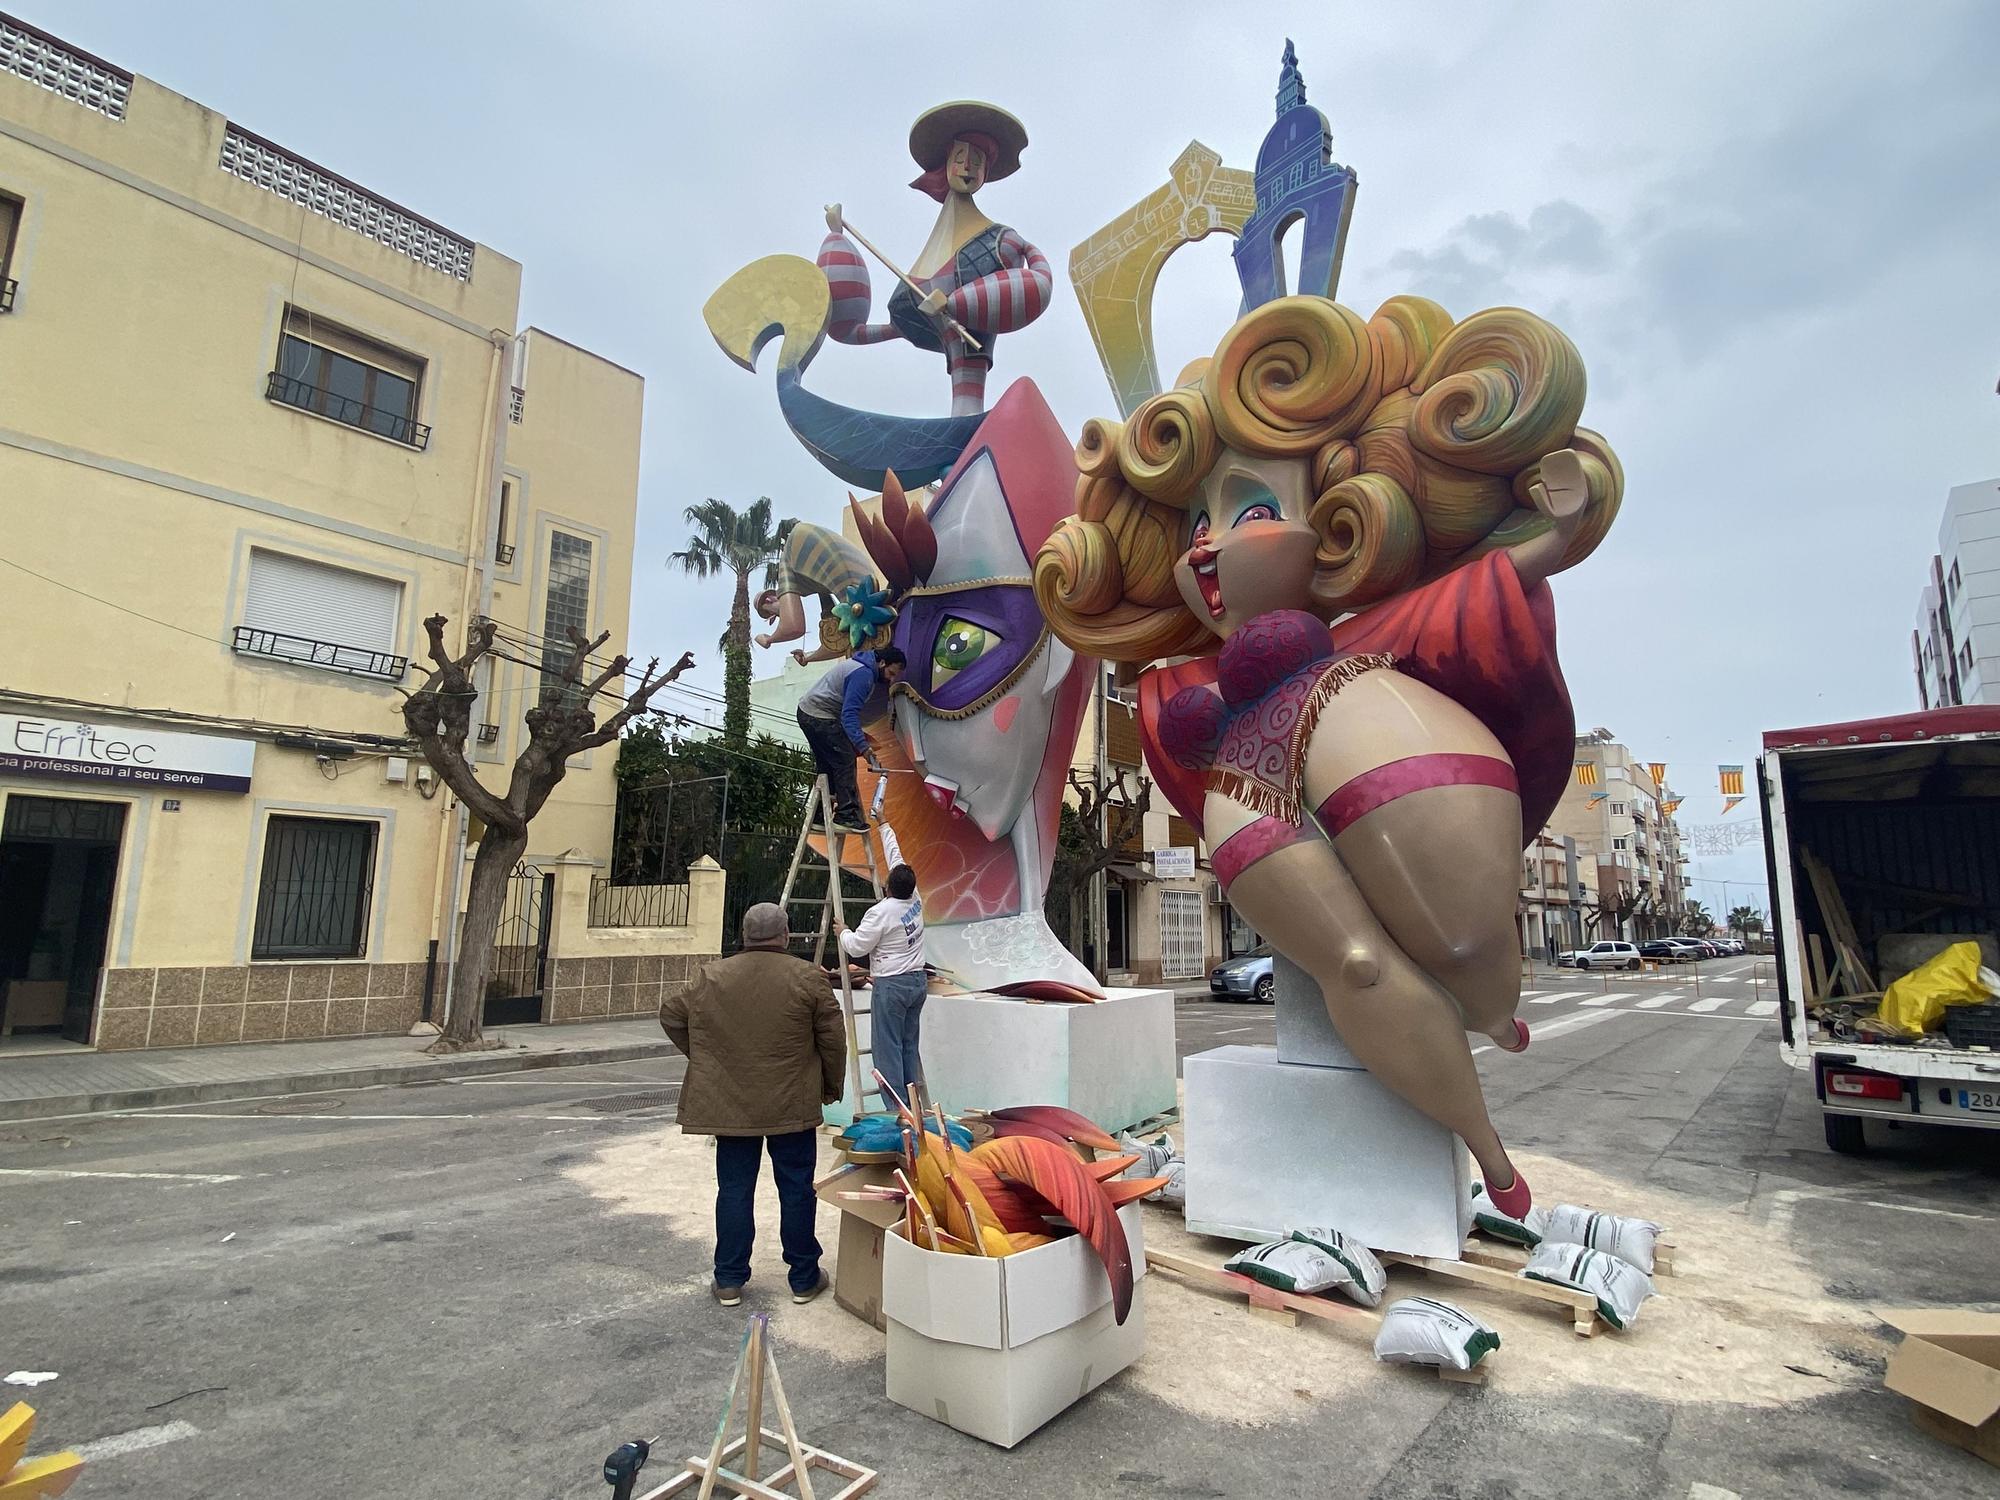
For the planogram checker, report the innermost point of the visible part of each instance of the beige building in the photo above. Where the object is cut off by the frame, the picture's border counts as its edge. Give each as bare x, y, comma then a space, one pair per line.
257, 423
1619, 818
1165, 919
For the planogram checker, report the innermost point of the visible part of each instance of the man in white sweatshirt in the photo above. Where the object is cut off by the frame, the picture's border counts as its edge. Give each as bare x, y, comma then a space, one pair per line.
891, 937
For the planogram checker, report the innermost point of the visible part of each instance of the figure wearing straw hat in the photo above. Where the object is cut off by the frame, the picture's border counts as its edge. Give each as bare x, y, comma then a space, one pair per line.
972, 280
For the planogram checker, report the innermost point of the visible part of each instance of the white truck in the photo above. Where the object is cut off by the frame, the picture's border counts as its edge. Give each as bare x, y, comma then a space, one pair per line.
1904, 814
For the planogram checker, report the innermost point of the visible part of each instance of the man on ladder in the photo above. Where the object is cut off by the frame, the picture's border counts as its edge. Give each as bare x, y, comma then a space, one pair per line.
831, 715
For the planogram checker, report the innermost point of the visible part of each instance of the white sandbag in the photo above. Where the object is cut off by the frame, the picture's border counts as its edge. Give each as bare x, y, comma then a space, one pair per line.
1618, 1286
1424, 1331
1158, 1158
1362, 1276
1290, 1266
1488, 1218
1631, 1240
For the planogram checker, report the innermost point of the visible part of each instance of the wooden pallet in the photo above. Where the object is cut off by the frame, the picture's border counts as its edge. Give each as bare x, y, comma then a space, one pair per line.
1498, 1257
1288, 1307
1581, 1306
1166, 1119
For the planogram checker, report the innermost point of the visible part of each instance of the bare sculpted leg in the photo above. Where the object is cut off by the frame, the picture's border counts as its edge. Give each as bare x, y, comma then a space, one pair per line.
1394, 1018
1440, 865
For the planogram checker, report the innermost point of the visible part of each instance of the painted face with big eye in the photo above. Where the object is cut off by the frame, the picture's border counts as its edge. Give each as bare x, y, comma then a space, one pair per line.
965, 168
1250, 550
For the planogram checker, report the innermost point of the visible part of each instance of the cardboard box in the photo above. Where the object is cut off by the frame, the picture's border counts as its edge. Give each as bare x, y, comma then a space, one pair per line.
1949, 1365
996, 1347
857, 1270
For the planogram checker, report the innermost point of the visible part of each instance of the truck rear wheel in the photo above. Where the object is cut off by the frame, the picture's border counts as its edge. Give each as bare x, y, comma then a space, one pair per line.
1844, 1135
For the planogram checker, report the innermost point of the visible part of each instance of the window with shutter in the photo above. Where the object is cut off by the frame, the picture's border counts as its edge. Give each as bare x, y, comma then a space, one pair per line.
313, 614
10, 221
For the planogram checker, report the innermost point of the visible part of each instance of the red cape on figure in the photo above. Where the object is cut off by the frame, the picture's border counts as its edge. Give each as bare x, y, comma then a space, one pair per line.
1476, 636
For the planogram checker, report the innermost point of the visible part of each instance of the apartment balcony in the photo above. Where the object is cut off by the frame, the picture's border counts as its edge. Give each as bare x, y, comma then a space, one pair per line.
397, 428
354, 661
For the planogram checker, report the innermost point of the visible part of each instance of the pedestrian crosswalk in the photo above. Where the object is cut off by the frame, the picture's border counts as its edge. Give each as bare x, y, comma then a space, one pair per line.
1738, 1006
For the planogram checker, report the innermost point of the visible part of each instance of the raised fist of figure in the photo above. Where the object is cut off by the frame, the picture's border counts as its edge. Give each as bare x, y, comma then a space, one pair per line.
1561, 490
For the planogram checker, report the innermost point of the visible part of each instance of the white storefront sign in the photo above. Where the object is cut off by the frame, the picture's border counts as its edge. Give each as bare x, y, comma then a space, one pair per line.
1175, 863
123, 754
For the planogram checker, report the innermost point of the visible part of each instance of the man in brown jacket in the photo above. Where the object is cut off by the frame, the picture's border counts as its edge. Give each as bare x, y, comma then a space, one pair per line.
766, 1047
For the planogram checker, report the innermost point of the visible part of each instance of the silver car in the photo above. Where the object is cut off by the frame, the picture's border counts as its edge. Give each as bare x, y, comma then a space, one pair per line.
1248, 976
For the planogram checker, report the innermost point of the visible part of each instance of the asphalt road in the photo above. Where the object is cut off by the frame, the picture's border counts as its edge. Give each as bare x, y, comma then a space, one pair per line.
405, 1292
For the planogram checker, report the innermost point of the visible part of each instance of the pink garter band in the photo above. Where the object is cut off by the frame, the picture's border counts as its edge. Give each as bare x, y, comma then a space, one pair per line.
1371, 789
1251, 843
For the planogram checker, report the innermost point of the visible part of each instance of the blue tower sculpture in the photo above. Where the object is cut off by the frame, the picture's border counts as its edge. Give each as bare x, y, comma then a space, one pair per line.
1297, 178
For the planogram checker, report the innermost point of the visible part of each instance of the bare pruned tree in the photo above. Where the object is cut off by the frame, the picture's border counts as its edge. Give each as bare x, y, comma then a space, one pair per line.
1124, 806
562, 724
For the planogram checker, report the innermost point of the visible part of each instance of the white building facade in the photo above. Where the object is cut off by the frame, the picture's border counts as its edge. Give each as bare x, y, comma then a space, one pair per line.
1955, 647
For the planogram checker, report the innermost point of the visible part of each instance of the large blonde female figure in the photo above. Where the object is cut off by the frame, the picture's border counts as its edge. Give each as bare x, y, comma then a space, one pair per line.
1348, 527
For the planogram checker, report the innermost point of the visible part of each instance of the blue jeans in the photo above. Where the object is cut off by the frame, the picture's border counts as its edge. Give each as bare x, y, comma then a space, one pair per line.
898, 1010
793, 1157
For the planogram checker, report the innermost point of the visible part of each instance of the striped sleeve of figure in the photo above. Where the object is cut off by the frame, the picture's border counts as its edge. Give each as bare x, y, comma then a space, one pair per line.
1010, 298
847, 278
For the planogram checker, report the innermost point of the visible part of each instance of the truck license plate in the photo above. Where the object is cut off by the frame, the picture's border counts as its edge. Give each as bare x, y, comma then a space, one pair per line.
1987, 1100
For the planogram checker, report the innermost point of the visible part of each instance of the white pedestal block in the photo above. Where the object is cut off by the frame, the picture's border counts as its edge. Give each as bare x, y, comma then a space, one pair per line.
1305, 1030
1273, 1146
1112, 1061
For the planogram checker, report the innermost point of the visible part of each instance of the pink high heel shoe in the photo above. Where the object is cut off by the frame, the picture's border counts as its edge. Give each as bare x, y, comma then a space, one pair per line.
1515, 1199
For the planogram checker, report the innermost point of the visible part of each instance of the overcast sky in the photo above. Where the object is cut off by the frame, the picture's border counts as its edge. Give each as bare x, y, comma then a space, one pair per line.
1762, 224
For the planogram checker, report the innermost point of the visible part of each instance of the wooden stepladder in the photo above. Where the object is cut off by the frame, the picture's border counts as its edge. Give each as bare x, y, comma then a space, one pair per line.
819, 804
734, 1463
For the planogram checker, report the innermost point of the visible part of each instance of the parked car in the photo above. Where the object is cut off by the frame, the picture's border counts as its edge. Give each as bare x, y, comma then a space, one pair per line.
1605, 955
1688, 948
1248, 976
1662, 951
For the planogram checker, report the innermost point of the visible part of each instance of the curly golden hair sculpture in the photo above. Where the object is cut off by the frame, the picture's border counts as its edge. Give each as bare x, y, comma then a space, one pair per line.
1422, 435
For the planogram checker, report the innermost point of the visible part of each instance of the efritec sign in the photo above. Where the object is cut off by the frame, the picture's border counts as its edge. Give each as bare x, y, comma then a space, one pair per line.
123, 754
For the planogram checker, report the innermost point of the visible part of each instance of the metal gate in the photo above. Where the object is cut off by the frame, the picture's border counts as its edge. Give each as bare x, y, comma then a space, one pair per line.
1182, 929
515, 977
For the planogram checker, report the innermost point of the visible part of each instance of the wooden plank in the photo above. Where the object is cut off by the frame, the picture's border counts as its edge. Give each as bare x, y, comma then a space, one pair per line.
1582, 1306
1266, 1298
1287, 1307
753, 1418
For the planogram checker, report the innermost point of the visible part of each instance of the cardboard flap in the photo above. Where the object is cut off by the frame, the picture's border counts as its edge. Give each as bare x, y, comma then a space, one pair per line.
1941, 1322
1060, 1284
954, 1298
1962, 1382
852, 1178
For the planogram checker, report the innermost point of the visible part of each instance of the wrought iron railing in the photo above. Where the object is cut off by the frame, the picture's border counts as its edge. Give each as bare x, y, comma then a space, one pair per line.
637, 905
288, 390
356, 661
7, 294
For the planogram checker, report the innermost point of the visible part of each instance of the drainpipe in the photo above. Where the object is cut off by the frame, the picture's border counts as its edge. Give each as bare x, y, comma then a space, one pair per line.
450, 877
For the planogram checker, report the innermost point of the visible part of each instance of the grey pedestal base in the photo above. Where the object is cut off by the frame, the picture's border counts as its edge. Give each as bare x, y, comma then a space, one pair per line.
1272, 1146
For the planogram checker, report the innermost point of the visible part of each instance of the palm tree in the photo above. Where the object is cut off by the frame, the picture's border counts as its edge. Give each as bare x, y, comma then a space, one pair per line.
739, 543
1744, 920
1696, 921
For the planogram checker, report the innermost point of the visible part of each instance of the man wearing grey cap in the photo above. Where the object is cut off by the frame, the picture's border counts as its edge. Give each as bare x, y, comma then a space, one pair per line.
766, 1047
